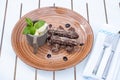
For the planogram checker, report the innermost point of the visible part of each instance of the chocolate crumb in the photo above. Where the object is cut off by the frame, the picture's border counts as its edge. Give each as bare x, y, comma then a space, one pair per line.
81, 44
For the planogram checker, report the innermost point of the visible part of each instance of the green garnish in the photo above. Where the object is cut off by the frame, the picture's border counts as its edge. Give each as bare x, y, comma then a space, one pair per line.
39, 24
29, 21
32, 27
26, 30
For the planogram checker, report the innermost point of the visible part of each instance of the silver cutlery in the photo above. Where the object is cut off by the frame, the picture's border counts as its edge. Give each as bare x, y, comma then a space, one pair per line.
107, 42
114, 45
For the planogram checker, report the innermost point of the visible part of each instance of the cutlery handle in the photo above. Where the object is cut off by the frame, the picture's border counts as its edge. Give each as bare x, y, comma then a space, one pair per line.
107, 67
98, 61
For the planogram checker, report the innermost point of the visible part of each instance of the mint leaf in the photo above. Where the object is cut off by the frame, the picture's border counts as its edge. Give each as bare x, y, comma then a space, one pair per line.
32, 30
31, 26
39, 24
29, 21
29, 30
26, 30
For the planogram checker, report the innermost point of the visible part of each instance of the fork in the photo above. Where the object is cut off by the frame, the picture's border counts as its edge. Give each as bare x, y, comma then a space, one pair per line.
107, 42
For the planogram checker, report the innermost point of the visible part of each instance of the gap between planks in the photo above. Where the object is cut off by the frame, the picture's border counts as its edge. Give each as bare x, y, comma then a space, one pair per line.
36, 74
6, 6
53, 75
71, 4
74, 72
16, 55
87, 10
106, 17
119, 4
15, 68
38, 4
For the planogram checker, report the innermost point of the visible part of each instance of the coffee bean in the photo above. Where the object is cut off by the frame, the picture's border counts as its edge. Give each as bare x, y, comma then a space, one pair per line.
81, 44
48, 55
67, 25
50, 25
65, 58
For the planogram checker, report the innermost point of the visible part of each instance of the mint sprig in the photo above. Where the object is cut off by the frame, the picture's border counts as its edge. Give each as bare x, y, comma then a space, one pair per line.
39, 24
29, 21
31, 27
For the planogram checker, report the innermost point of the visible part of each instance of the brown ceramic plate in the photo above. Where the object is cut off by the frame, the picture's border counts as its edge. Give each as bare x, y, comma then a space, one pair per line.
60, 60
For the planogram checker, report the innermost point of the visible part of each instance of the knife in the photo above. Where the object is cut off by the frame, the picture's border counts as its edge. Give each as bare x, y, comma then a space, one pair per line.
114, 46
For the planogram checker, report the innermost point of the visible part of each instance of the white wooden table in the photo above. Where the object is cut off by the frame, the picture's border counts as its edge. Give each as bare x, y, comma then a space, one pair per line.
97, 12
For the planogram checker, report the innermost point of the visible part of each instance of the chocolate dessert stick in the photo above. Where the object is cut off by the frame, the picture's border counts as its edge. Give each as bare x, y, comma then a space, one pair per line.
63, 33
63, 41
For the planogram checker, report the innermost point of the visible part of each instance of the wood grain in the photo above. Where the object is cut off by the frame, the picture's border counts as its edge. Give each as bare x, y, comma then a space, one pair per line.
55, 16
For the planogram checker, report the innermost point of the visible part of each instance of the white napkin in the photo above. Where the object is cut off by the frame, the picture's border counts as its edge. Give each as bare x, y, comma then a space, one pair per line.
97, 49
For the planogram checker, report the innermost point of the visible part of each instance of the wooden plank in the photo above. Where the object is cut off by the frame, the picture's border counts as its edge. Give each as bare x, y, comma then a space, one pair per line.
60, 3
28, 5
79, 6
3, 16
117, 71
118, 75
24, 71
44, 75
63, 3
96, 15
7, 59
80, 68
113, 12
46, 3
2, 11
67, 74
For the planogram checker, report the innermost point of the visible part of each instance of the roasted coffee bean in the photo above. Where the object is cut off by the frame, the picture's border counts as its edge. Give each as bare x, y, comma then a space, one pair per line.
65, 58
50, 25
48, 55
67, 25
81, 44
